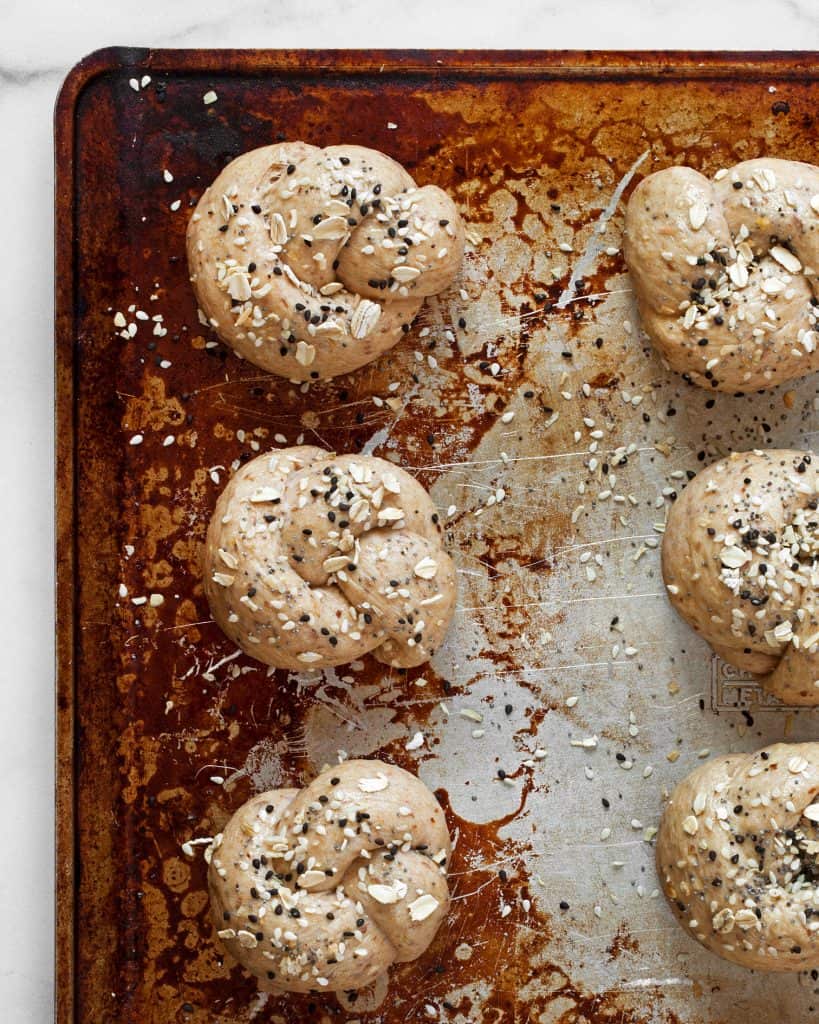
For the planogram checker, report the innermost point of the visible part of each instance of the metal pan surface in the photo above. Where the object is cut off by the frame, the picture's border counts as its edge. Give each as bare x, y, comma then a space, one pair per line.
568, 695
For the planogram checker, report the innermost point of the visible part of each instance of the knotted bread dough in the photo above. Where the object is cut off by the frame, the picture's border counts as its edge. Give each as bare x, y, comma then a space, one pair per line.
725, 271
323, 888
313, 559
312, 262
739, 556
737, 856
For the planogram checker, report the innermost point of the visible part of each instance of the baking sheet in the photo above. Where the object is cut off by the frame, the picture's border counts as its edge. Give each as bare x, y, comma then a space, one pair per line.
529, 403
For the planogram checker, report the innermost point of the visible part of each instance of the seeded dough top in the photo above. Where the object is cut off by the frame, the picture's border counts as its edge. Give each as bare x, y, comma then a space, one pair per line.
313, 559
312, 262
322, 888
725, 271
736, 856
738, 562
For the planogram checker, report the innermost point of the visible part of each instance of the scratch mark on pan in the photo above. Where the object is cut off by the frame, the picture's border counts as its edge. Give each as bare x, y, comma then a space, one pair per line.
441, 466
656, 982
578, 600
380, 436
507, 322
595, 246
259, 1005
208, 673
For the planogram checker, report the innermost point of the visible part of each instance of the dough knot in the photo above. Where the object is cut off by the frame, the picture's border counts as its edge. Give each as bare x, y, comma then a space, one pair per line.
725, 271
311, 262
741, 565
323, 888
314, 559
737, 856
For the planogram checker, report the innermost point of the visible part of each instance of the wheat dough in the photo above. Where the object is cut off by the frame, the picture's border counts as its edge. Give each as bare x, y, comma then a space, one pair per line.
314, 559
323, 888
312, 262
738, 563
736, 856
725, 271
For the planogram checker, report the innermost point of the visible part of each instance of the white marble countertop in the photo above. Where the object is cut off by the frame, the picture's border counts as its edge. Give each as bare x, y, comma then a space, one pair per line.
39, 41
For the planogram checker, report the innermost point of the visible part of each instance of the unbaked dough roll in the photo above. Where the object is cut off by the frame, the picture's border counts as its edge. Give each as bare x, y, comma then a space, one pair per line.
725, 271
314, 559
737, 856
323, 888
312, 262
739, 563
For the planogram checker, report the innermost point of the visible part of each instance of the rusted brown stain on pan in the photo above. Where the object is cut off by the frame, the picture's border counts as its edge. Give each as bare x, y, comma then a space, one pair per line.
142, 718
